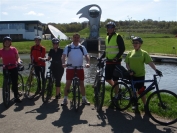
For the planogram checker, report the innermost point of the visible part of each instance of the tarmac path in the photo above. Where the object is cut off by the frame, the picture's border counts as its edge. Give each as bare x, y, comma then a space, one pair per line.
32, 116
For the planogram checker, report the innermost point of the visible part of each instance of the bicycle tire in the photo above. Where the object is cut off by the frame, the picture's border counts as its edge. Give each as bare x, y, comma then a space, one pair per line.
6, 93
31, 85
20, 84
99, 91
47, 90
123, 101
76, 95
167, 113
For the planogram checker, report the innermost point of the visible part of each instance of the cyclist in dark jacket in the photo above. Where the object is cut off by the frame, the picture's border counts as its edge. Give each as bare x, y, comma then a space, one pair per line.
57, 69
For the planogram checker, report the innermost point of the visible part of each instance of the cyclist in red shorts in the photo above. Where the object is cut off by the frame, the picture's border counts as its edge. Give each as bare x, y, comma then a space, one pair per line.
75, 57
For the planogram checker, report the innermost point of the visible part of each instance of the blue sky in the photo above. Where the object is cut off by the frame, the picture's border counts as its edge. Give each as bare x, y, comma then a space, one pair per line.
64, 11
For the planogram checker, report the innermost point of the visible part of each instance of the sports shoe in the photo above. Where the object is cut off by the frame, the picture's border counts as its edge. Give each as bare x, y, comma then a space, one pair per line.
85, 101
58, 96
64, 103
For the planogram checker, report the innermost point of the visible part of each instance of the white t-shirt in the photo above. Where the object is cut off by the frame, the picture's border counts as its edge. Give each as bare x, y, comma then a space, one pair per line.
75, 56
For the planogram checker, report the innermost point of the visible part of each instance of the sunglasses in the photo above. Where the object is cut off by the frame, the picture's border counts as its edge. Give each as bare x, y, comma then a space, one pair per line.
110, 27
135, 43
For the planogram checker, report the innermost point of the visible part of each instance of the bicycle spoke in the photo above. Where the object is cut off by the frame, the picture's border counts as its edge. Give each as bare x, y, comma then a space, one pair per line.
99, 95
121, 99
163, 112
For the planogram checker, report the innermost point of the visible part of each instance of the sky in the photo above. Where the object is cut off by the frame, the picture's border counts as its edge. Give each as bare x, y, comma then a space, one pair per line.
65, 11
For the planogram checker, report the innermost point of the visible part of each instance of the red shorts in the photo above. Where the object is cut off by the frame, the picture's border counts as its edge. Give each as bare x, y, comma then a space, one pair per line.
70, 74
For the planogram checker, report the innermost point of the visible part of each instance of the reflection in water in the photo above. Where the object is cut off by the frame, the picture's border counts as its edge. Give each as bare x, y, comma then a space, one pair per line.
168, 81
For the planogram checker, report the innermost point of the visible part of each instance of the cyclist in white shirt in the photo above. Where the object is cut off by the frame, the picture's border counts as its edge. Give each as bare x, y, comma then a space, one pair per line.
74, 54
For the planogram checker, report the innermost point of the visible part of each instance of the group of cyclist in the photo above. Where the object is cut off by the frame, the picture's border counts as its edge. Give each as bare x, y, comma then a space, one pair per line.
74, 54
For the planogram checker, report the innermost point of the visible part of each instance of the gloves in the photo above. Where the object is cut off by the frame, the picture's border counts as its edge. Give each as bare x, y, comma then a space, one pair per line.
158, 72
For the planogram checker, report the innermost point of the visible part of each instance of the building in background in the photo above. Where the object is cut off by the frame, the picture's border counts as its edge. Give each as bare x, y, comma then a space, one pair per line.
20, 30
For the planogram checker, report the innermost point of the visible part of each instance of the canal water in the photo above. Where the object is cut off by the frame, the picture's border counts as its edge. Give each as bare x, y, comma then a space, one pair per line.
168, 81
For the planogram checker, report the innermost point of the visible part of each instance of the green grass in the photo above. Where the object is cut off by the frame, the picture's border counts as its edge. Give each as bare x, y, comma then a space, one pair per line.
152, 43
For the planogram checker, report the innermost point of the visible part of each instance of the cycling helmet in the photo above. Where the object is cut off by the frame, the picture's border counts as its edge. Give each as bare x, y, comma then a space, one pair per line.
137, 39
37, 37
111, 23
55, 40
6, 38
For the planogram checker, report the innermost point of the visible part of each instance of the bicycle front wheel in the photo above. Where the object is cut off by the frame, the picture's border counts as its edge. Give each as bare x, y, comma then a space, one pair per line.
31, 85
121, 96
162, 111
76, 96
99, 91
47, 90
6, 93
20, 84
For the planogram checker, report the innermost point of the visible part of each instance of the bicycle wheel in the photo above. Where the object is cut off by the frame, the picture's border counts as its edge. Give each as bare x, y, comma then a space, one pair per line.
76, 95
99, 95
20, 84
123, 100
163, 112
31, 85
47, 90
6, 93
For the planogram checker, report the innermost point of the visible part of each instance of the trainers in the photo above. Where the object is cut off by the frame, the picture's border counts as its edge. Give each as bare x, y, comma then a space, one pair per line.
64, 103
85, 101
58, 96
17, 100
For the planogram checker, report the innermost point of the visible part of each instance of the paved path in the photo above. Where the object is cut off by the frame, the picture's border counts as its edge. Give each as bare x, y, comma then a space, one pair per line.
32, 116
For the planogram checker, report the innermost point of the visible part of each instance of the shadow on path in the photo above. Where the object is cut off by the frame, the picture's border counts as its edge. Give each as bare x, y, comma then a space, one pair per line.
69, 118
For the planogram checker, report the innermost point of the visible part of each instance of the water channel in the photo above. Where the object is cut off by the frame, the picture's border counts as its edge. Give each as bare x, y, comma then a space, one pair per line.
168, 81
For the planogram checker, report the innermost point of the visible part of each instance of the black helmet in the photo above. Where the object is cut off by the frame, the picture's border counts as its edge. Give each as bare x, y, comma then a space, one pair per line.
55, 40
136, 38
37, 37
111, 23
6, 38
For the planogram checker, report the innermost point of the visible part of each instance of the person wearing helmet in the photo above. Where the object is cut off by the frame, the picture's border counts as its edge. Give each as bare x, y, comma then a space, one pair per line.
57, 70
114, 49
9, 55
37, 51
135, 61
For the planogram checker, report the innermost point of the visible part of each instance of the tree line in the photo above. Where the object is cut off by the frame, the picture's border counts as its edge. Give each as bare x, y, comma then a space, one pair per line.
146, 25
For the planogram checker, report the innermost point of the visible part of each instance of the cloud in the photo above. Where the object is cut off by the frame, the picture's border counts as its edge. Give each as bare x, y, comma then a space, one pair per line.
34, 13
4, 13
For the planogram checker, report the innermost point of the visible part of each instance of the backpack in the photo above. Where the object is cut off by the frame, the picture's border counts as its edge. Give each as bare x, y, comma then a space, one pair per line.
80, 47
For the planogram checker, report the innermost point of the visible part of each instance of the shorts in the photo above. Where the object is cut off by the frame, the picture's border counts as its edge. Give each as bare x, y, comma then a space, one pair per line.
109, 69
70, 74
139, 85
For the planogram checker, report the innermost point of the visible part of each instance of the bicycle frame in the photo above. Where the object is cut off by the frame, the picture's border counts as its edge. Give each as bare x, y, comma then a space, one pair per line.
148, 89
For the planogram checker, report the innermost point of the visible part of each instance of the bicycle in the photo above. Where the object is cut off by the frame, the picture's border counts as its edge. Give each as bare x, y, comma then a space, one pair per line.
7, 84
99, 84
48, 87
31, 82
163, 102
75, 88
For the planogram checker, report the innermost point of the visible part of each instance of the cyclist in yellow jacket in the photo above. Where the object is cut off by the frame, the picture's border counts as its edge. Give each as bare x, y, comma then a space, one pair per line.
114, 49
